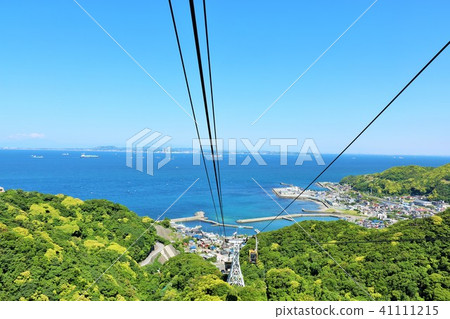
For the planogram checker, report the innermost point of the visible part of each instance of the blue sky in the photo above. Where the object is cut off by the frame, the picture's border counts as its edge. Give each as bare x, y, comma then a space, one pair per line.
64, 83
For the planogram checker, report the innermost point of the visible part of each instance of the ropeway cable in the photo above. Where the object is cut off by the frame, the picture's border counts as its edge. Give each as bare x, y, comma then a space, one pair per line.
205, 102
212, 94
192, 108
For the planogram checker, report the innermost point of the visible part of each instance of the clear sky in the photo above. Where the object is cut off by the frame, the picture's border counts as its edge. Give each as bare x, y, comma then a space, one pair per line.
64, 83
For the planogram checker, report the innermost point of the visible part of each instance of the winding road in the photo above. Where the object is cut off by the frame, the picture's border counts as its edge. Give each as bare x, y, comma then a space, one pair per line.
153, 254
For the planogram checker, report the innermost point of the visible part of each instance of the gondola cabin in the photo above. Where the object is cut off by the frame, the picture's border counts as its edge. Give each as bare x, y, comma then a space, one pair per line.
252, 256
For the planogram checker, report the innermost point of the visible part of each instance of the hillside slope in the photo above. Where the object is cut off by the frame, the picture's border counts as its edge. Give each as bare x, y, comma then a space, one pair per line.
61, 248
406, 261
406, 180
55, 247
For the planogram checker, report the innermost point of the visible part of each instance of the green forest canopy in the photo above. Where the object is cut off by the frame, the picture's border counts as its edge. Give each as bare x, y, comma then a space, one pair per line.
55, 247
434, 182
291, 267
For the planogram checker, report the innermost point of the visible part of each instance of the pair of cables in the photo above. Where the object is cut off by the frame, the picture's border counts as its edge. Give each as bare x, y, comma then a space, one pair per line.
210, 116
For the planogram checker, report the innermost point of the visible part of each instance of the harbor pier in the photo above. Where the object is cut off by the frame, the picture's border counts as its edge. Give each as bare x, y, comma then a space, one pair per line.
286, 217
200, 216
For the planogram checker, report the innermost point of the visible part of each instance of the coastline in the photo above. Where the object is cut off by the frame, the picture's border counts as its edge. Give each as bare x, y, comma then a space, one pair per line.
321, 211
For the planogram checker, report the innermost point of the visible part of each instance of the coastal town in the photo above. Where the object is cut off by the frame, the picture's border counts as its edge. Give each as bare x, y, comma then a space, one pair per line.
213, 247
341, 200
372, 211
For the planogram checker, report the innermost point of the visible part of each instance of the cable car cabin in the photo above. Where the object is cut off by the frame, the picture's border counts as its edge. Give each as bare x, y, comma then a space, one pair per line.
252, 256
228, 265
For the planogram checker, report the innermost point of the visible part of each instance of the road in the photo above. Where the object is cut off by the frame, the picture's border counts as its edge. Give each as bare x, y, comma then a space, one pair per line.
153, 254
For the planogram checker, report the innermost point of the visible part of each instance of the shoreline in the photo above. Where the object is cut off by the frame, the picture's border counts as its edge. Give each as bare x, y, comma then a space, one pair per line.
321, 211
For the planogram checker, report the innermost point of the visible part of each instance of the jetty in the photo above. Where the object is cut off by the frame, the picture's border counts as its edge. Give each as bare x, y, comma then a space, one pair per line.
200, 216
290, 217
227, 225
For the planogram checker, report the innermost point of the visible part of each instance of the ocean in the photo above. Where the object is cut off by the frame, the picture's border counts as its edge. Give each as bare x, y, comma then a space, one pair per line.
108, 177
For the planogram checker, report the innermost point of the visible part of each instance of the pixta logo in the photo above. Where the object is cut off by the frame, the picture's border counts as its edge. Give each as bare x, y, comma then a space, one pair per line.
144, 145
253, 151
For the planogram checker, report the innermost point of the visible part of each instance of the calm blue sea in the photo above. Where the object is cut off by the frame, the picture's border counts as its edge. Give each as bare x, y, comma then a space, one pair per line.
108, 177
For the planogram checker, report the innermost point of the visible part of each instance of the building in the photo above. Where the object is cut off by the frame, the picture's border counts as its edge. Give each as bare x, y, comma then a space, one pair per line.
423, 203
2, 190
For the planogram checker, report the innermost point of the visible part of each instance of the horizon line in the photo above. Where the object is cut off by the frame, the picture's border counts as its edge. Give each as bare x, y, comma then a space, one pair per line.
188, 150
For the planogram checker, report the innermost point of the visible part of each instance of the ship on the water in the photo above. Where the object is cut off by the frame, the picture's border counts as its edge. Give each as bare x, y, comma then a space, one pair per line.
88, 156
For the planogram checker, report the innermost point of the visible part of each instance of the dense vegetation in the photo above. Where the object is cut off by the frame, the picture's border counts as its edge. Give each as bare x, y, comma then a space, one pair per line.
56, 247
406, 180
384, 262
190, 277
